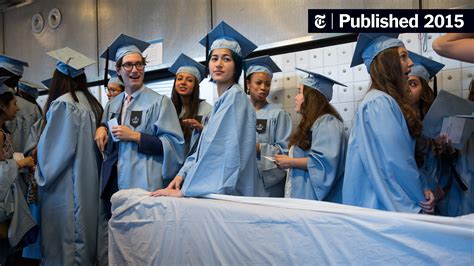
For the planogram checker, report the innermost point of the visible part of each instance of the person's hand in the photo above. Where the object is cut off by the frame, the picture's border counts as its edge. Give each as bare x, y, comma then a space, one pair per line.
26, 162
193, 123
428, 206
125, 133
167, 192
101, 138
176, 183
171, 190
442, 145
283, 161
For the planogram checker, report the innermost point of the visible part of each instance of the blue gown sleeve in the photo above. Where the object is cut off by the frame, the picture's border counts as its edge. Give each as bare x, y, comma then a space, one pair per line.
278, 145
167, 132
327, 155
8, 174
387, 149
57, 144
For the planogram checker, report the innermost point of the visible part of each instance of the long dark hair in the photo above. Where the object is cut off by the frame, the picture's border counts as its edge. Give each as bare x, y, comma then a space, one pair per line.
62, 84
385, 78
314, 106
426, 98
191, 111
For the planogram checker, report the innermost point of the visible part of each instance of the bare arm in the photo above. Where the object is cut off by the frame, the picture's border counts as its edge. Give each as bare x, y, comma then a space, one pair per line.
458, 46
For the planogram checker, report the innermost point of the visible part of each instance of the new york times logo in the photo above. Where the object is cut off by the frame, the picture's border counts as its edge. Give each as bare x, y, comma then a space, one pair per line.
394, 20
320, 21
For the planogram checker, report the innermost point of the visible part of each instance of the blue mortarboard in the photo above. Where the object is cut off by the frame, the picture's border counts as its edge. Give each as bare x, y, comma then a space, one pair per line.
188, 65
224, 36
369, 45
30, 87
319, 82
122, 46
114, 78
70, 62
424, 67
13, 65
47, 82
263, 64
4, 88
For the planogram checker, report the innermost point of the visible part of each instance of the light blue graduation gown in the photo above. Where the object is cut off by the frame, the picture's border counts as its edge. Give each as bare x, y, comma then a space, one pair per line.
225, 159
381, 172
273, 139
203, 111
138, 166
20, 127
67, 174
457, 202
13, 205
326, 160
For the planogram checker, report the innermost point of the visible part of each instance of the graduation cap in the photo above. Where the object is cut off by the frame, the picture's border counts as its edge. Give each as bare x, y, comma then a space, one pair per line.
319, 82
47, 82
424, 67
188, 65
4, 88
114, 78
224, 36
369, 45
263, 64
122, 46
70, 62
13, 65
31, 88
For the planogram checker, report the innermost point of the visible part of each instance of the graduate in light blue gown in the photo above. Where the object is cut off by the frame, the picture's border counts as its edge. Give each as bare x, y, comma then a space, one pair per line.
225, 159
318, 146
457, 181
185, 96
421, 97
273, 126
149, 145
67, 172
29, 112
381, 172
17, 226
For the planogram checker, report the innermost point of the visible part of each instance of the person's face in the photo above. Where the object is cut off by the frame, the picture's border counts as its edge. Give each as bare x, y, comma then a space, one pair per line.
113, 89
221, 65
299, 99
184, 84
10, 110
259, 86
415, 89
405, 61
132, 77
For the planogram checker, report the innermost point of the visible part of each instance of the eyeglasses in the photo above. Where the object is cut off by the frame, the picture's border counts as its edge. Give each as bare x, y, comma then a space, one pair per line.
112, 90
129, 66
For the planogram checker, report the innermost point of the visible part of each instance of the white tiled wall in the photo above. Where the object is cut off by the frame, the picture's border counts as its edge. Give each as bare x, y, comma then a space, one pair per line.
334, 61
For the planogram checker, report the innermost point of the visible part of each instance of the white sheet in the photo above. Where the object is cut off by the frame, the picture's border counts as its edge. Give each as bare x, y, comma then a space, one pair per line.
247, 231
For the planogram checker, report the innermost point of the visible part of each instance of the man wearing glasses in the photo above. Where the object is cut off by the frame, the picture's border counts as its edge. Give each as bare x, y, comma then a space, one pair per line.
140, 136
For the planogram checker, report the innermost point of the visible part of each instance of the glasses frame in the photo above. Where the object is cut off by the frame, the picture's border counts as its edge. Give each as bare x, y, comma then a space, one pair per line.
128, 66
